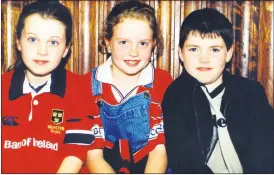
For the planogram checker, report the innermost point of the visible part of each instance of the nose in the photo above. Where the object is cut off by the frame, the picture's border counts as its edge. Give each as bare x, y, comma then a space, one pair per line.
204, 58
43, 49
133, 51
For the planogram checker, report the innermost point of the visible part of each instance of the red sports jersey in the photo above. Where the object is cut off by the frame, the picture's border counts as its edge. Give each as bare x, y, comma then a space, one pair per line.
78, 131
35, 144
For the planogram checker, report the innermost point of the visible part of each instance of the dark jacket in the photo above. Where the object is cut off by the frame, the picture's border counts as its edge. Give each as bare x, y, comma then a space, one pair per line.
188, 124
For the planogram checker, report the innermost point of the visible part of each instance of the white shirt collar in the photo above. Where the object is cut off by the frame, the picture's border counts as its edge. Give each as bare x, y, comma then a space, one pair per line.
28, 89
104, 74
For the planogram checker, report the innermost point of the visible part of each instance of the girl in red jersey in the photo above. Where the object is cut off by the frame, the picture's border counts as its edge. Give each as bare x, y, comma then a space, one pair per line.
126, 95
39, 95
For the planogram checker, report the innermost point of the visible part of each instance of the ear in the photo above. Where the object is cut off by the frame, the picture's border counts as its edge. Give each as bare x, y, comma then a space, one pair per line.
106, 41
229, 54
18, 45
107, 45
66, 51
180, 53
154, 43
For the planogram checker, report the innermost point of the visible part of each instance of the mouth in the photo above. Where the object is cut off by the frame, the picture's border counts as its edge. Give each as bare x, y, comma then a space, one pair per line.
41, 62
204, 69
132, 62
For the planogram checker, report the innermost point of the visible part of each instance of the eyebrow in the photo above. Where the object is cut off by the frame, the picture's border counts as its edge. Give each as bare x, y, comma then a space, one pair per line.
50, 37
217, 46
139, 40
31, 33
193, 45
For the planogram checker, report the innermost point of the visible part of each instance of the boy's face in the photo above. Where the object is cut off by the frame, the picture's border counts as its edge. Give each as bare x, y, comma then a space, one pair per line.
205, 58
42, 45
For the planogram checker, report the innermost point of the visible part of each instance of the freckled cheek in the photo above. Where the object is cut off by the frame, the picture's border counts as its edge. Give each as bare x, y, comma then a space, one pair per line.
145, 54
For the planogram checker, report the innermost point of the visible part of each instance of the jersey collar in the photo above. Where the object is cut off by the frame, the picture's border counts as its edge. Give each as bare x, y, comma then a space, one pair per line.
57, 85
104, 74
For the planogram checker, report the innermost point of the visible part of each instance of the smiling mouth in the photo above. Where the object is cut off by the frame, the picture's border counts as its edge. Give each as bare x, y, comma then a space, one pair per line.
132, 62
41, 62
204, 68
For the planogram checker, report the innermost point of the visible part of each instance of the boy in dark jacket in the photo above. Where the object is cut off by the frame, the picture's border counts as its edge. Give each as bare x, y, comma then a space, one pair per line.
215, 122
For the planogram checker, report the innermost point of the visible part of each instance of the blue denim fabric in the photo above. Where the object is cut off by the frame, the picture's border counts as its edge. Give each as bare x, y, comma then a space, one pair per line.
128, 120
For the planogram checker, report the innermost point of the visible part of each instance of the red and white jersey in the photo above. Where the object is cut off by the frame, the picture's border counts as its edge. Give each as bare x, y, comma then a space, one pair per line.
34, 124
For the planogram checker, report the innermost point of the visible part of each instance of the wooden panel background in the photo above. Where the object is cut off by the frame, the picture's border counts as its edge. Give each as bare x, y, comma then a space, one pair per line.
252, 21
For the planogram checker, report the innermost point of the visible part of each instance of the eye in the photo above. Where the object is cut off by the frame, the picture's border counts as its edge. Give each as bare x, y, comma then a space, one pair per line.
54, 43
123, 42
144, 43
193, 49
32, 40
215, 50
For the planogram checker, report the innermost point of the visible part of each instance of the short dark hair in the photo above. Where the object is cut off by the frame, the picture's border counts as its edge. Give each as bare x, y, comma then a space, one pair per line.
207, 22
135, 10
47, 9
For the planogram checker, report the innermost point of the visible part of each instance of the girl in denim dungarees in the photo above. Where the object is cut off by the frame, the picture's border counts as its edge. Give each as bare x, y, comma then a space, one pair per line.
128, 92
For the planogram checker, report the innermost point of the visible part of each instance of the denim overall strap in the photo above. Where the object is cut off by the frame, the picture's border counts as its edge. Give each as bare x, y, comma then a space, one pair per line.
156, 135
96, 85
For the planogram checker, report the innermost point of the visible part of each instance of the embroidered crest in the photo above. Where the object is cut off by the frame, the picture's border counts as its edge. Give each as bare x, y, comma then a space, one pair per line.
57, 116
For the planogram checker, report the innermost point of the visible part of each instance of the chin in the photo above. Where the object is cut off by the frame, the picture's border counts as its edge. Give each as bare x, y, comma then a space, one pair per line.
132, 73
205, 82
40, 73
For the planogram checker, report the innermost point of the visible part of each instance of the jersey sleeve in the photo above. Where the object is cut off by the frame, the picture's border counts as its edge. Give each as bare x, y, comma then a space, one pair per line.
162, 80
84, 130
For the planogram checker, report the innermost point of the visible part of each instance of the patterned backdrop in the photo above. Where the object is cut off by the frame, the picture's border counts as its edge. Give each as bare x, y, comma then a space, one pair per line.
252, 21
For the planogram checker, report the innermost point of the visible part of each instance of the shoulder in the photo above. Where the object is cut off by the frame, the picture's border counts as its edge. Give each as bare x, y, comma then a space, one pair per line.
162, 78
78, 83
162, 74
178, 86
6, 81
244, 84
7, 76
74, 78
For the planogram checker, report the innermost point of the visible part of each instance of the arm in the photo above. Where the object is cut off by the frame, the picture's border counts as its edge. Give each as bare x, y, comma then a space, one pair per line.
157, 160
96, 162
70, 164
263, 117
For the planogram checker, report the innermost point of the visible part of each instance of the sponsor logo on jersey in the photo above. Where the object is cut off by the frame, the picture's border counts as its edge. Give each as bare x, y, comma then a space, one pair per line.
9, 121
57, 116
98, 132
156, 130
56, 129
44, 144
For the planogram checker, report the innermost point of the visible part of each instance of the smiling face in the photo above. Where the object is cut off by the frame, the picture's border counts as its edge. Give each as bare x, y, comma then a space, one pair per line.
205, 58
42, 45
131, 46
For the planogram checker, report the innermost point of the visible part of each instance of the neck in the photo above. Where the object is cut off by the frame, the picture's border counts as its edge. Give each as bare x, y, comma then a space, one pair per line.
122, 81
213, 86
36, 80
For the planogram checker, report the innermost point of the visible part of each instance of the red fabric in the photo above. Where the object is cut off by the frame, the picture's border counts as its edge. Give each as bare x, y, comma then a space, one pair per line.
162, 80
124, 149
23, 146
124, 170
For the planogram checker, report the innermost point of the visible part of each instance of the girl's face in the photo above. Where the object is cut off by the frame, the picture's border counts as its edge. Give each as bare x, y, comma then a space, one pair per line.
131, 46
42, 44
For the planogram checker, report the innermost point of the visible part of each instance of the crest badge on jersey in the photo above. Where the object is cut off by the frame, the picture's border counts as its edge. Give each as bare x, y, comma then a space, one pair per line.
57, 116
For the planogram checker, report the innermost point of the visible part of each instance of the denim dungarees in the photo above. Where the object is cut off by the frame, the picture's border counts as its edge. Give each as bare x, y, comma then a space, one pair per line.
128, 120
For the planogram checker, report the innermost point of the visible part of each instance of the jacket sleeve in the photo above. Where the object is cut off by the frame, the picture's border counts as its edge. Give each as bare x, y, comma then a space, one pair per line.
172, 127
262, 148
